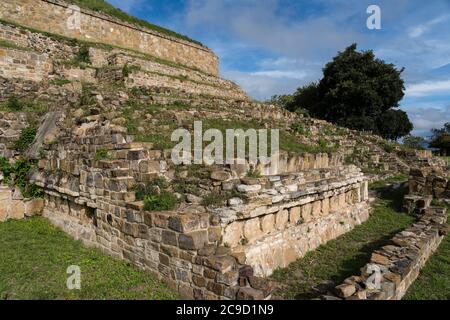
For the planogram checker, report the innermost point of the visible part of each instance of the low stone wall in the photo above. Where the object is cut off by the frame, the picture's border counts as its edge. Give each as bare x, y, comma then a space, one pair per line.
152, 79
13, 207
430, 181
394, 267
24, 64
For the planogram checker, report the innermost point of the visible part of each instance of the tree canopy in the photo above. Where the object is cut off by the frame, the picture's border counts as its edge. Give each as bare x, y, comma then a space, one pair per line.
357, 91
441, 139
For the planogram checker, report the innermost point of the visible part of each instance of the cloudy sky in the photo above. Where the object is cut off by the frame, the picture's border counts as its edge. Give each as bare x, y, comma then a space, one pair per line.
275, 46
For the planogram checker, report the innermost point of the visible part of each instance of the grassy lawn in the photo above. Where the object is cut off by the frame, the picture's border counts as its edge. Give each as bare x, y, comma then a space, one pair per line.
34, 257
433, 282
344, 256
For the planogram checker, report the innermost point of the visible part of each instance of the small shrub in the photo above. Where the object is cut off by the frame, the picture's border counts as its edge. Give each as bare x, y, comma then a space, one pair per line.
87, 97
322, 143
253, 173
6, 169
149, 188
102, 154
14, 104
32, 191
164, 201
214, 199
298, 128
83, 55
26, 137
388, 147
59, 82
127, 69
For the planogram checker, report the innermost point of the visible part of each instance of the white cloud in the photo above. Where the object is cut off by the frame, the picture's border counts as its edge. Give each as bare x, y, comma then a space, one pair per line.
262, 86
428, 88
419, 30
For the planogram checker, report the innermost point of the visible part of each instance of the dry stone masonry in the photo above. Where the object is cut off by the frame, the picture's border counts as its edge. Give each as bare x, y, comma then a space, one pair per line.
52, 16
203, 251
394, 267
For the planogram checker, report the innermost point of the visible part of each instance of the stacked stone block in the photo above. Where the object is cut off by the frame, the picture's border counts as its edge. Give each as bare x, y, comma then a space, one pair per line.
398, 264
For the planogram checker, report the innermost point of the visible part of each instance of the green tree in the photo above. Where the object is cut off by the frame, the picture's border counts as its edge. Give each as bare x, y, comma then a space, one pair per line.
358, 91
441, 139
414, 142
394, 124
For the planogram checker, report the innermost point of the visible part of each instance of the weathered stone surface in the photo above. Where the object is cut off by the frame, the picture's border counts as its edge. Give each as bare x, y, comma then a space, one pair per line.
345, 290
250, 294
252, 229
295, 215
193, 240
268, 223
220, 175
281, 219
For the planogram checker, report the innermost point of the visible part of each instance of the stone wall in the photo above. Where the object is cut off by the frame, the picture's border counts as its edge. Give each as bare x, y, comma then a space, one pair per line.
13, 206
398, 263
429, 181
15, 63
52, 16
287, 216
38, 57
10, 126
192, 247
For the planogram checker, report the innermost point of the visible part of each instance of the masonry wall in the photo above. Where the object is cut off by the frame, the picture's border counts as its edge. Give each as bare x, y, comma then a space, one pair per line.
52, 16
13, 206
23, 64
398, 264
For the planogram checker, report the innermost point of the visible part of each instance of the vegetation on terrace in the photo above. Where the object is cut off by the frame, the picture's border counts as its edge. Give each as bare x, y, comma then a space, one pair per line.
106, 8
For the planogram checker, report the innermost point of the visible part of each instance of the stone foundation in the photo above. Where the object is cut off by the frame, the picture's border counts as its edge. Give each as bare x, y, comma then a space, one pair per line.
17, 208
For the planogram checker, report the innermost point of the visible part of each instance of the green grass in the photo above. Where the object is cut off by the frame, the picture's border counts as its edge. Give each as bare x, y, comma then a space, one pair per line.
35, 256
11, 45
344, 256
433, 282
104, 7
391, 180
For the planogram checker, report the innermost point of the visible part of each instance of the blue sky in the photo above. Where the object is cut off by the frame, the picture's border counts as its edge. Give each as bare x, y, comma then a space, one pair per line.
275, 46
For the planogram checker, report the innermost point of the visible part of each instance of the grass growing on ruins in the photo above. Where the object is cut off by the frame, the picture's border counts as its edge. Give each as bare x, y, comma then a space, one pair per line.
344, 256
104, 7
35, 257
11, 45
433, 282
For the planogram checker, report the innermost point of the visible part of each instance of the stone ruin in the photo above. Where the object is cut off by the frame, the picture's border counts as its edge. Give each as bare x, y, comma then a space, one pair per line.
201, 251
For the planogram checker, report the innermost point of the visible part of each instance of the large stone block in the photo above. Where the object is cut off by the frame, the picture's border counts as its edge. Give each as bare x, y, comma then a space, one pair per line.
295, 215
281, 219
193, 240
252, 229
34, 207
317, 209
17, 210
268, 223
233, 233
307, 212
